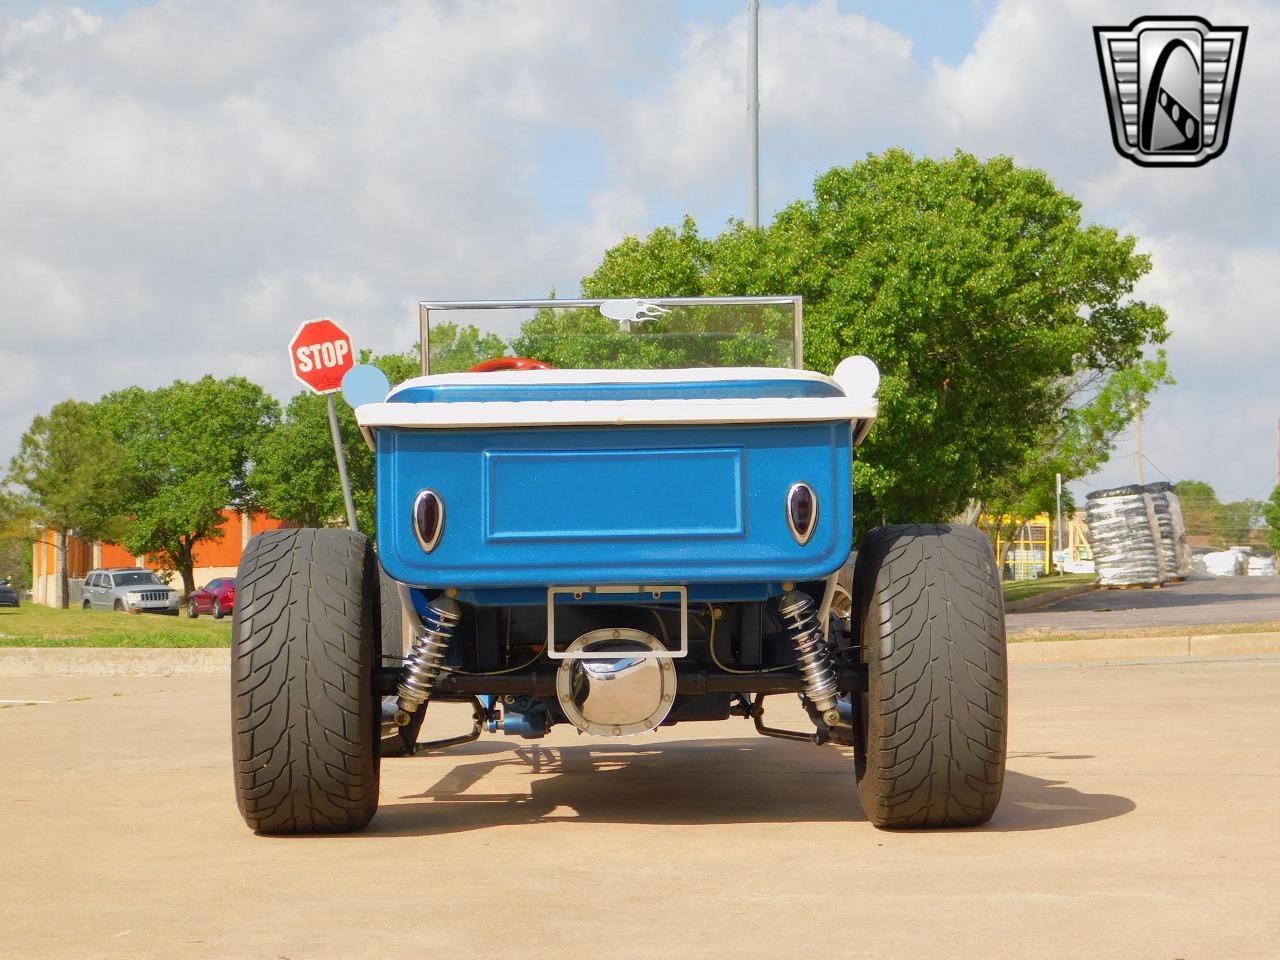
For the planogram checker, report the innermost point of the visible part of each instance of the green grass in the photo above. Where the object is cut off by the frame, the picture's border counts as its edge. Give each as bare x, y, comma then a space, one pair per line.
1193, 630
1026, 589
32, 625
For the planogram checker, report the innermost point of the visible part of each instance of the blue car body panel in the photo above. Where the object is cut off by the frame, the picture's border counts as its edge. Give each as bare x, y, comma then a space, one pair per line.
532, 507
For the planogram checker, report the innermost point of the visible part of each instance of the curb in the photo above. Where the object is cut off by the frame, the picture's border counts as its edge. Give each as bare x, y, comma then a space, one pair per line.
114, 661
1119, 649
197, 662
1049, 599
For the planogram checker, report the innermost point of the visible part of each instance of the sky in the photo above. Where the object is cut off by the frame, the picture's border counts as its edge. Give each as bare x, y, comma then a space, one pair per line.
182, 183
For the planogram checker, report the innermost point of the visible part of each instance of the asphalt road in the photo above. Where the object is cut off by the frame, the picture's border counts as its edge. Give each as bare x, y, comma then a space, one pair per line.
1139, 820
1211, 600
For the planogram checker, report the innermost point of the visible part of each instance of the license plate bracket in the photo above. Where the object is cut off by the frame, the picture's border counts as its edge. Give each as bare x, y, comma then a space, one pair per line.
618, 592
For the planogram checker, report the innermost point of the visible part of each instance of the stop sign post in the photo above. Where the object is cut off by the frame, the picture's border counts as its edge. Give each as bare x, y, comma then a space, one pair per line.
321, 353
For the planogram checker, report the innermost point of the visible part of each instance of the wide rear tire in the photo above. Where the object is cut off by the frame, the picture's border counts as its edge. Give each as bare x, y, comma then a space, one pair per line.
305, 719
931, 750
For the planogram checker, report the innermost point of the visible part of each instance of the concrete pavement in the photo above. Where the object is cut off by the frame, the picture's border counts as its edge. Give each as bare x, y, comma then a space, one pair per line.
1196, 601
1139, 819
129, 662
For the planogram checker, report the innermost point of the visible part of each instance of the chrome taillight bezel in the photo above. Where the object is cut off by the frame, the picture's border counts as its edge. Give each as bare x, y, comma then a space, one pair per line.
430, 536
802, 533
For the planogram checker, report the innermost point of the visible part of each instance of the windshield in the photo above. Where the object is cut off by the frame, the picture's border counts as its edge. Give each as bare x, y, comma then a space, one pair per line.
634, 334
143, 578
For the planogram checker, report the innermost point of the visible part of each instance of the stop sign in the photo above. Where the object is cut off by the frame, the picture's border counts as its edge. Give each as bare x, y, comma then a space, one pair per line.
321, 353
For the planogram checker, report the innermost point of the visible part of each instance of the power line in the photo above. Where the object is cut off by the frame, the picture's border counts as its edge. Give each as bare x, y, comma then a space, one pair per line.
1157, 469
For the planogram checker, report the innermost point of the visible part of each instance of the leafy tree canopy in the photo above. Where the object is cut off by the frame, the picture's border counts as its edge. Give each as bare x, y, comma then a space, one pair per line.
59, 470
295, 476
189, 448
56, 481
988, 306
1076, 444
1272, 514
1224, 524
1201, 509
1237, 522
454, 349
16, 537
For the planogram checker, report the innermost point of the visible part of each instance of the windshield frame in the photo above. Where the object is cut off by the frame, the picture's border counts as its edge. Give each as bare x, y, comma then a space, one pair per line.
426, 307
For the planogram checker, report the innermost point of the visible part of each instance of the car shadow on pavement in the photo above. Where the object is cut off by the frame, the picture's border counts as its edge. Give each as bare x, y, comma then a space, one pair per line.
690, 782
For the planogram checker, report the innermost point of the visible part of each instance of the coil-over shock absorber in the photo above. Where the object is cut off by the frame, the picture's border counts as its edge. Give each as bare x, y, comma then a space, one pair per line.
813, 654
426, 660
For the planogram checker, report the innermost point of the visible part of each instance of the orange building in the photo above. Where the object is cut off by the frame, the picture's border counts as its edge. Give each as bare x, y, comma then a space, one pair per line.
213, 558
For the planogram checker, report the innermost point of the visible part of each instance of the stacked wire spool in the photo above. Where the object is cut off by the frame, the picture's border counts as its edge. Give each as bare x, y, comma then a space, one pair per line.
1173, 533
1125, 536
1180, 532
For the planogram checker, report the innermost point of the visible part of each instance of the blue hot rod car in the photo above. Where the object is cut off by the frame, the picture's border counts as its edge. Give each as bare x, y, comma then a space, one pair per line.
617, 544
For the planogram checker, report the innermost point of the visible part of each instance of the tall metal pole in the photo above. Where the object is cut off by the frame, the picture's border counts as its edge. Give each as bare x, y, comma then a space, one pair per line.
424, 337
1137, 436
753, 113
342, 463
1061, 563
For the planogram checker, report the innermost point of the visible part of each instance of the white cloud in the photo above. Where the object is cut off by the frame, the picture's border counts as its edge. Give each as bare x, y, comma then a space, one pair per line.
68, 24
1218, 423
1030, 88
828, 81
183, 182
193, 179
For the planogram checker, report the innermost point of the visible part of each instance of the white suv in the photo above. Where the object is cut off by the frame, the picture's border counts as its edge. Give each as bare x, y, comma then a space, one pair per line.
130, 589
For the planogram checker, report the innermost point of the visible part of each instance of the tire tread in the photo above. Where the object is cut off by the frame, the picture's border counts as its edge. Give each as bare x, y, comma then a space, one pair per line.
937, 705
304, 714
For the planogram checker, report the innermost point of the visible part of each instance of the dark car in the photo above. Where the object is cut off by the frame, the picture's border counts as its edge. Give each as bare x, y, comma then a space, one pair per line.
8, 595
217, 597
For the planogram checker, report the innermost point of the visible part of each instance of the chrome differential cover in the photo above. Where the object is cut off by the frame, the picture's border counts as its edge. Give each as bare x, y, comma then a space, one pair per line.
616, 696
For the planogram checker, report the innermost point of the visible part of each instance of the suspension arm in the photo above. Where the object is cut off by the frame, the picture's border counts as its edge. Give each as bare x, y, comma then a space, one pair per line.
690, 680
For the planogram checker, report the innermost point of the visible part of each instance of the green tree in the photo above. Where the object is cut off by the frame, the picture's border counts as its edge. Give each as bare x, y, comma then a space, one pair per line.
987, 304
1201, 509
189, 448
668, 263
1237, 521
16, 536
454, 349
295, 474
59, 474
1272, 514
1092, 414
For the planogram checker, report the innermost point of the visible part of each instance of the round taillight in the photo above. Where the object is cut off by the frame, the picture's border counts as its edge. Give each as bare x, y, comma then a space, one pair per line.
802, 512
428, 519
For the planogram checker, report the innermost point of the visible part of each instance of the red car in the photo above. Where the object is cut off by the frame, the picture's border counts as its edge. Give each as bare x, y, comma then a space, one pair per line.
217, 597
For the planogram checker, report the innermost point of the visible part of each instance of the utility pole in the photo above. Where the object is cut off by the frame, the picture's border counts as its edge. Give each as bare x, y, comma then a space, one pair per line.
1061, 563
753, 113
1278, 453
1137, 435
